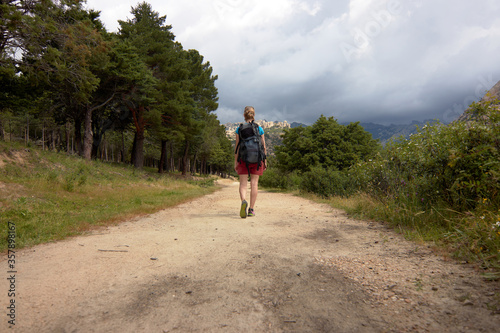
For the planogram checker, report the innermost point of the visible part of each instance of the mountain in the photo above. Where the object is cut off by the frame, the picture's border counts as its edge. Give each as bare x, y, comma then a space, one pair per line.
295, 124
493, 93
273, 131
384, 133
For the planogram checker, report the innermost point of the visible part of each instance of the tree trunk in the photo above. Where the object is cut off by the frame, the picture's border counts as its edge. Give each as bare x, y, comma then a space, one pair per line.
59, 139
27, 138
123, 147
185, 159
105, 147
140, 125
2, 132
54, 142
97, 138
132, 153
68, 134
87, 136
193, 167
43, 135
171, 163
139, 150
78, 137
94, 151
204, 166
163, 158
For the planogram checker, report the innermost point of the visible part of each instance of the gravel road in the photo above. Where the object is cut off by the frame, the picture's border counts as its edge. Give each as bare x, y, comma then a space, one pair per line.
297, 266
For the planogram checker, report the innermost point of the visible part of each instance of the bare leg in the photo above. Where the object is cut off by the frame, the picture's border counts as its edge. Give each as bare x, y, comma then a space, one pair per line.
243, 186
254, 187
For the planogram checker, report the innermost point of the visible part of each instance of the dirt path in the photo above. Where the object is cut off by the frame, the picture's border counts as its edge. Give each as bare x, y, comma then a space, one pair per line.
295, 267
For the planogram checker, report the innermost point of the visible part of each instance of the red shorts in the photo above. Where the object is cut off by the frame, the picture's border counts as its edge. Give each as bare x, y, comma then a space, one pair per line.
242, 169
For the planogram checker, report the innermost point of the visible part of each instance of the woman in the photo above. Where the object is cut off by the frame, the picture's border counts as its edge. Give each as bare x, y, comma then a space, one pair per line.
255, 169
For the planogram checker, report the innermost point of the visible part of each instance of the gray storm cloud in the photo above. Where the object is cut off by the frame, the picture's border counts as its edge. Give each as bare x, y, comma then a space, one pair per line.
370, 61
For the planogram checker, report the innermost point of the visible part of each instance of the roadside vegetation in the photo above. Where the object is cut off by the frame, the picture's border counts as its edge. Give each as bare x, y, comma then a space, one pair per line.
440, 185
126, 112
50, 196
133, 96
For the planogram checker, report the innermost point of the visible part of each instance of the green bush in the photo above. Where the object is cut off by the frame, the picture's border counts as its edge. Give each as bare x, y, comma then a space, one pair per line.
276, 178
326, 143
443, 181
326, 183
458, 165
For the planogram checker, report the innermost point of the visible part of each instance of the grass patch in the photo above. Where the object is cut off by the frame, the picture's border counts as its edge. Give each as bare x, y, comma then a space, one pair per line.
50, 196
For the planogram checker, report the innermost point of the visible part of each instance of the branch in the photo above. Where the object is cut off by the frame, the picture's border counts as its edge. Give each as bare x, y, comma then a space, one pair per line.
103, 104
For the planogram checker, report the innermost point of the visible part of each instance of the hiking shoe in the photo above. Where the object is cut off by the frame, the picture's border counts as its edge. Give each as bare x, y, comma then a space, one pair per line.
251, 212
243, 210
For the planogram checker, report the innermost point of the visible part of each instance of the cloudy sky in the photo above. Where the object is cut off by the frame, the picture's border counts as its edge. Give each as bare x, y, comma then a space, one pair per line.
382, 61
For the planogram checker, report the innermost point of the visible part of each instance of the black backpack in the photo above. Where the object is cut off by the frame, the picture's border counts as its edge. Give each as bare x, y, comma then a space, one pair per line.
250, 146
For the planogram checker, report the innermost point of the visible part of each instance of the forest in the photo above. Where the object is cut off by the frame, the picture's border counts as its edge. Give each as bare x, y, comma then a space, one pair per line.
135, 96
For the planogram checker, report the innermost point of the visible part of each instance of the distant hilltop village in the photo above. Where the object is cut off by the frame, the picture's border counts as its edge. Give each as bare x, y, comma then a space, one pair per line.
231, 127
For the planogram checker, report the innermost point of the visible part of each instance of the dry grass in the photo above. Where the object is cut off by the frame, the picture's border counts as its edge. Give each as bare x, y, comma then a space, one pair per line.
50, 196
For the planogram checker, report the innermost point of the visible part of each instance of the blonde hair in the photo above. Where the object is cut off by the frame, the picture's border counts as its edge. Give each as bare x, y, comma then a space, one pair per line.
249, 113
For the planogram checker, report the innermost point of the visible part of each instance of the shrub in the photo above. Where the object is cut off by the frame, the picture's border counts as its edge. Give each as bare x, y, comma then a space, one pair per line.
276, 178
443, 180
327, 183
327, 144
458, 164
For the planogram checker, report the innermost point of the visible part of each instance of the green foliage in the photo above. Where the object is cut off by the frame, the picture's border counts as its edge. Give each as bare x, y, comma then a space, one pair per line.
326, 182
185, 91
276, 178
72, 72
325, 144
315, 159
51, 196
443, 182
458, 165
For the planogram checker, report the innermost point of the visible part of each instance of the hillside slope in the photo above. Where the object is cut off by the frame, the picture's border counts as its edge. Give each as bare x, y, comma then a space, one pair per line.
50, 196
492, 94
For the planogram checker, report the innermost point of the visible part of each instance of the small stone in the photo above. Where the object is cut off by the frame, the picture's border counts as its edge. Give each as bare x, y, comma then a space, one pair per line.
435, 288
468, 303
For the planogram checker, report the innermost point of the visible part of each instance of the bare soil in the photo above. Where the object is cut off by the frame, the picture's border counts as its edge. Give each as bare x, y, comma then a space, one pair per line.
297, 266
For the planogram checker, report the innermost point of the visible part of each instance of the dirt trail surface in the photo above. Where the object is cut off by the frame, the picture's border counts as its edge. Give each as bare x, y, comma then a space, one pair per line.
297, 266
